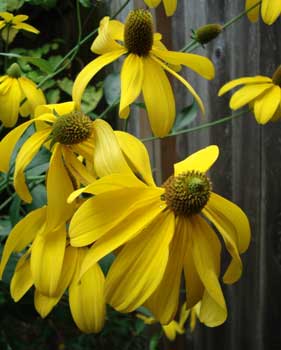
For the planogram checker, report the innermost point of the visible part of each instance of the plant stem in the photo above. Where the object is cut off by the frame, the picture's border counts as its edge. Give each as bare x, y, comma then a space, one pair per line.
109, 108
200, 127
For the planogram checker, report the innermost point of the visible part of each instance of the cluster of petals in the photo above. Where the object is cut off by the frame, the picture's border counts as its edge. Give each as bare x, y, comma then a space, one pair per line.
169, 5
270, 10
260, 93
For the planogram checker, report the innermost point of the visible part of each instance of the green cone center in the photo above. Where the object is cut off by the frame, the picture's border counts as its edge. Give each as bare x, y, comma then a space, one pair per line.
138, 36
14, 71
71, 128
187, 193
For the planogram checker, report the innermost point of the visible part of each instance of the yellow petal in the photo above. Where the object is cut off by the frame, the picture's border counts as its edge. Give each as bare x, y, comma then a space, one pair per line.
253, 15
59, 108
20, 18
27, 152
140, 266
183, 81
108, 157
86, 150
59, 187
206, 254
6, 83
90, 70
35, 97
27, 27
7, 16
125, 230
132, 74
136, 155
160, 102
247, 94
266, 105
199, 64
47, 254
43, 303
259, 79
170, 7
152, 3
200, 161
9, 104
270, 10
23, 234
86, 299
22, 279
170, 330
163, 303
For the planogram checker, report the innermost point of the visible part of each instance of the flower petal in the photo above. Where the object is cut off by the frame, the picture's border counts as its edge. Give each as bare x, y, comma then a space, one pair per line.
160, 102
86, 298
259, 79
35, 97
90, 70
27, 27
59, 108
22, 234
10, 104
170, 7
140, 266
270, 11
152, 3
199, 64
200, 161
266, 105
253, 15
132, 74
136, 155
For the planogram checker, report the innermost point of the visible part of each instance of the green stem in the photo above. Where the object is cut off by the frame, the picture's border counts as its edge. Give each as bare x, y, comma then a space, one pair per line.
109, 108
7, 201
200, 127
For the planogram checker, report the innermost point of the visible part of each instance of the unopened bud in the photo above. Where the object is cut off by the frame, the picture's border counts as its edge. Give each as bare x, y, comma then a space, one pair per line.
207, 33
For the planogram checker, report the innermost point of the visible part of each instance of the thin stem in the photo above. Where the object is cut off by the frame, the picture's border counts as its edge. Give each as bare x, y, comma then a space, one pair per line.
200, 127
109, 108
7, 201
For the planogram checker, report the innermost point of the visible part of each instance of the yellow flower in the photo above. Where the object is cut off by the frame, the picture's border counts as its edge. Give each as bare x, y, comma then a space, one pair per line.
170, 5
143, 69
262, 93
14, 89
51, 265
162, 231
270, 10
11, 24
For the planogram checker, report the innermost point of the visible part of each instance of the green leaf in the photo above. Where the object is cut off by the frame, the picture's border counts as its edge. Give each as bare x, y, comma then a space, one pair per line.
91, 98
86, 3
53, 96
185, 117
65, 85
40, 63
39, 197
5, 227
112, 88
14, 210
154, 341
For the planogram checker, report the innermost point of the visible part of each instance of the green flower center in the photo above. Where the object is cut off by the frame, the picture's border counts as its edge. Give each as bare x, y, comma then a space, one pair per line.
187, 193
14, 71
276, 78
71, 128
138, 36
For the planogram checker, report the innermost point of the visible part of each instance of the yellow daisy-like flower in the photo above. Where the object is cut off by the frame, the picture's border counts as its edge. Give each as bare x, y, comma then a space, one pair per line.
143, 69
14, 90
262, 93
270, 10
169, 5
10, 25
51, 265
163, 231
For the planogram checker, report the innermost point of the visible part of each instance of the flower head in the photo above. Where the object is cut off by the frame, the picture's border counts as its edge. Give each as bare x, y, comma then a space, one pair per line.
18, 95
169, 5
163, 231
270, 10
143, 69
261, 93
10, 25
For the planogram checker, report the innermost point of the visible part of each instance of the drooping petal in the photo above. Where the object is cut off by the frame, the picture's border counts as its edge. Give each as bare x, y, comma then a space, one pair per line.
253, 15
170, 6
140, 266
7, 16
59, 187
163, 303
23, 234
160, 102
35, 97
200, 161
27, 27
22, 279
183, 81
136, 155
27, 152
59, 108
90, 70
152, 3
108, 157
270, 10
247, 94
206, 254
132, 75
266, 105
86, 298
19, 19
259, 79
199, 64
47, 255
10, 103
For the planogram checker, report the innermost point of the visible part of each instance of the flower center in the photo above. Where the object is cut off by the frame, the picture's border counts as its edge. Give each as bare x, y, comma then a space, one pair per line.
14, 71
187, 193
276, 78
138, 36
71, 128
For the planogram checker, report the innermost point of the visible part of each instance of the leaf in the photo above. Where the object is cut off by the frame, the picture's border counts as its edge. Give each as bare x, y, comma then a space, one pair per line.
14, 210
5, 227
65, 85
111, 88
91, 98
86, 3
154, 340
40, 63
185, 117
39, 197
53, 96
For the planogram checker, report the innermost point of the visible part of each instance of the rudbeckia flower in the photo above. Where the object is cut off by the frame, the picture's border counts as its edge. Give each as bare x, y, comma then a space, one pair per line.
261, 93
11, 24
162, 231
270, 10
52, 266
143, 69
14, 90
169, 5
